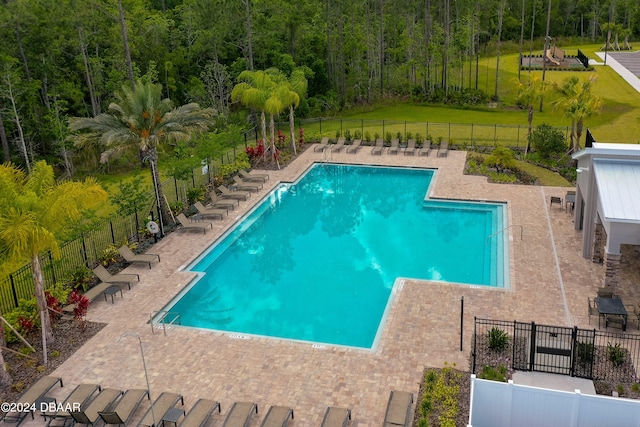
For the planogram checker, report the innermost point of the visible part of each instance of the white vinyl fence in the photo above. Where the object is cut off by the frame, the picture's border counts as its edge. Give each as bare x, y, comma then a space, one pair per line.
498, 404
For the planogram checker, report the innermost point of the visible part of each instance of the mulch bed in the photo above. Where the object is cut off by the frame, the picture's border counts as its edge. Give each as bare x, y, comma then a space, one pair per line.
24, 371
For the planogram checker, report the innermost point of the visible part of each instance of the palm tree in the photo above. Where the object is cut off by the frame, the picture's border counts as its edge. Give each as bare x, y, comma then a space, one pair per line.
143, 119
34, 214
578, 103
530, 93
252, 91
292, 97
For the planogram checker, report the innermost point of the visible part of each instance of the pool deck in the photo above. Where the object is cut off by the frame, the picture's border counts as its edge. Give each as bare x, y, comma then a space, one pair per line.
550, 281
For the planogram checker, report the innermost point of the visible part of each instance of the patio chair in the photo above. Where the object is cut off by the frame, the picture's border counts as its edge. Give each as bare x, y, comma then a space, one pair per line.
162, 405
555, 199
411, 147
425, 149
339, 145
238, 195
394, 148
593, 311
443, 149
200, 413
130, 257
80, 395
186, 225
353, 148
398, 409
240, 414
377, 149
323, 144
102, 402
214, 212
248, 186
102, 274
277, 416
221, 202
336, 417
259, 177
34, 393
605, 292
125, 408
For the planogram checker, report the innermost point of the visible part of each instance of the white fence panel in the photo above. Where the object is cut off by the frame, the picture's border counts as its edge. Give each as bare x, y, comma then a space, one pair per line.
497, 404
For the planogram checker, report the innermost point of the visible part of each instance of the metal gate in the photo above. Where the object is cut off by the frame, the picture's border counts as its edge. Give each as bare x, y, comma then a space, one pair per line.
554, 349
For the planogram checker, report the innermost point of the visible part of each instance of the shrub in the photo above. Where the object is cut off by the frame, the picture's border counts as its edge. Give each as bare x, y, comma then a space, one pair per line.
255, 153
357, 134
176, 206
388, 136
196, 194
616, 353
109, 256
494, 374
498, 339
547, 141
347, 135
80, 307
441, 395
399, 136
81, 277
585, 352
501, 158
367, 136
419, 139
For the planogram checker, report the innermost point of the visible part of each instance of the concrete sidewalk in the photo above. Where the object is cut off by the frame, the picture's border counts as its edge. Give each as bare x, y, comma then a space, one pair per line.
554, 382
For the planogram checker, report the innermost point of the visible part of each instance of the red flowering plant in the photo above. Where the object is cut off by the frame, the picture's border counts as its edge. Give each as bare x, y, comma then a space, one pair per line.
25, 324
54, 306
255, 153
281, 139
300, 136
81, 305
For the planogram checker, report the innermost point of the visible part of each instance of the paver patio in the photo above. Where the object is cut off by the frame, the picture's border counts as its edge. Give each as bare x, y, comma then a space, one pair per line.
549, 283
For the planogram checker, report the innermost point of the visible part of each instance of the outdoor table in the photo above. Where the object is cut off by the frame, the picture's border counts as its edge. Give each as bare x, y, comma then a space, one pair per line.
112, 290
612, 307
172, 416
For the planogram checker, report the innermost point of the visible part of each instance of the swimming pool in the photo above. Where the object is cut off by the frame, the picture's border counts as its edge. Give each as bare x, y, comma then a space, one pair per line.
317, 260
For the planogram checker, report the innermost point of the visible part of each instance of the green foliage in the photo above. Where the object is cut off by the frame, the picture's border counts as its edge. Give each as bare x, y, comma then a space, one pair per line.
367, 135
620, 389
347, 134
635, 387
616, 354
498, 339
399, 136
387, 137
440, 395
494, 374
109, 256
502, 178
80, 278
131, 196
501, 158
419, 139
357, 134
177, 206
196, 194
547, 141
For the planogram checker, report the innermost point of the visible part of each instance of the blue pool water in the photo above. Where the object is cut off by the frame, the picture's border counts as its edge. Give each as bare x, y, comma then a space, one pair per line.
317, 259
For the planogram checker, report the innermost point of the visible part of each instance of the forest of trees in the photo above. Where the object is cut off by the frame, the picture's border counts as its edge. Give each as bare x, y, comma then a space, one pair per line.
65, 58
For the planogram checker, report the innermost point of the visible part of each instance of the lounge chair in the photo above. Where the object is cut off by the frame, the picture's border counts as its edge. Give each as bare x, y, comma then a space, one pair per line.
34, 393
355, 145
443, 149
377, 149
323, 144
593, 311
200, 413
398, 409
186, 225
214, 212
277, 416
425, 149
411, 147
221, 202
336, 417
125, 408
102, 402
258, 177
338, 145
130, 257
162, 405
237, 195
248, 186
105, 276
394, 146
240, 414
79, 396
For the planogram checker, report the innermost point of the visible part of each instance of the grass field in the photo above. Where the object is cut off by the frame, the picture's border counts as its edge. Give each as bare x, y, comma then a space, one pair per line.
618, 120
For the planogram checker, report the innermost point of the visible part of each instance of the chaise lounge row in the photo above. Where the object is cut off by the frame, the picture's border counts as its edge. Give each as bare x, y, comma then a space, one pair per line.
379, 147
90, 403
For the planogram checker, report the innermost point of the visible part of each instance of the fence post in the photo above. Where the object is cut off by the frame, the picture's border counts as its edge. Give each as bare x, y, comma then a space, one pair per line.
13, 290
137, 226
84, 251
175, 184
320, 126
475, 335
113, 235
532, 350
405, 131
53, 269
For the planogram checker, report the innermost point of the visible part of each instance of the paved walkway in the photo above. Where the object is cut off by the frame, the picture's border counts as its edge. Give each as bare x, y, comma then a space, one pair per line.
550, 282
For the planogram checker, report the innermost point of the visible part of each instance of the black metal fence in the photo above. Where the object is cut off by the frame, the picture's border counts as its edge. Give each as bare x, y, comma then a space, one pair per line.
583, 58
585, 353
